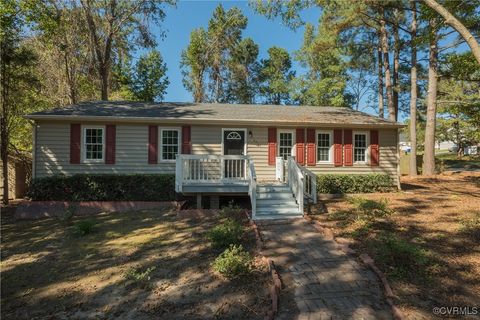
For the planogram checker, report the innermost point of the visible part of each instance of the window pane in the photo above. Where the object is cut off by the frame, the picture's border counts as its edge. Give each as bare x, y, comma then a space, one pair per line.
360, 147
169, 144
285, 144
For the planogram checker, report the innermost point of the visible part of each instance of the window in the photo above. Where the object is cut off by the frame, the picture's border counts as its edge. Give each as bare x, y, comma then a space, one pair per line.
285, 144
359, 147
93, 143
169, 144
324, 144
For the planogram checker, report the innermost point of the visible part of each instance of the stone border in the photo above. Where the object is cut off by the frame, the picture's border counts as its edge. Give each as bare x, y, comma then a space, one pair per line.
276, 287
33, 210
343, 244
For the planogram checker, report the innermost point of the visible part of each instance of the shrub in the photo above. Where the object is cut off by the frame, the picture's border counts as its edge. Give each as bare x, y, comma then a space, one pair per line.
140, 277
354, 183
471, 227
84, 227
371, 208
231, 211
233, 262
225, 234
107, 187
403, 258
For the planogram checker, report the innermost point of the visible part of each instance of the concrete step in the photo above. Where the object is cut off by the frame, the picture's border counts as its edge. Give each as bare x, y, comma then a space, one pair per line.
275, 195
277, 210
274, 189
276, 202
277, 216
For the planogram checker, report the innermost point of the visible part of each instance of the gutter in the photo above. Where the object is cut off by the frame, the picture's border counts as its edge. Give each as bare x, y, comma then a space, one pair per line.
210, 121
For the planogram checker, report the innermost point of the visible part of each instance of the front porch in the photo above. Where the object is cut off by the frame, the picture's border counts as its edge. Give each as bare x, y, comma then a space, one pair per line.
235, 175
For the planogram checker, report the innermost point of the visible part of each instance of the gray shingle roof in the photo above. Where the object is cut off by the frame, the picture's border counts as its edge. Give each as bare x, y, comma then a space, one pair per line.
192, 112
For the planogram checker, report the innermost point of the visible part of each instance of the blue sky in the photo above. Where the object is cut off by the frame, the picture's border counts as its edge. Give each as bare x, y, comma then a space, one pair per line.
188, 15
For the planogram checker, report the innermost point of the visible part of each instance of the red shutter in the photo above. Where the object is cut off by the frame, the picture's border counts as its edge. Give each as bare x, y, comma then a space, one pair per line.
300, 146
75, 143
272, 146
186, 140
374, 149
110, 144
311, 154
348, 147
152, 144
337, 148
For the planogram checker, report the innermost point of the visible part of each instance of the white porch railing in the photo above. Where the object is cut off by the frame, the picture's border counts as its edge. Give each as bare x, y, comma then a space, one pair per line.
295, 181
210, 169
303, 183
252, 187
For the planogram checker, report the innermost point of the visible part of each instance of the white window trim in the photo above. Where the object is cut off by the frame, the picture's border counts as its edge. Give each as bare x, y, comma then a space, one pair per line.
235, 129
294, 141
84, 144
330, 150
367, 147
160, 142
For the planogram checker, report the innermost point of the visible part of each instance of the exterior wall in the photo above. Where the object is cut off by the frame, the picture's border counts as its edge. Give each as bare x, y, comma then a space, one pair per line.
53, 151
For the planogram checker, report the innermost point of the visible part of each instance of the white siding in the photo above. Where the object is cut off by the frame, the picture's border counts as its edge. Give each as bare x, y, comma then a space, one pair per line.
53, 151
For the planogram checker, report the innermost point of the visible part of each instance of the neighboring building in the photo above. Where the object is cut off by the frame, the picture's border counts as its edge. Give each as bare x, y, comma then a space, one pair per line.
222, 146
19, 171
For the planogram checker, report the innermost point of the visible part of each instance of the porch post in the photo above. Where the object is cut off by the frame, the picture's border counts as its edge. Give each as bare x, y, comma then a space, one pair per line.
199, 201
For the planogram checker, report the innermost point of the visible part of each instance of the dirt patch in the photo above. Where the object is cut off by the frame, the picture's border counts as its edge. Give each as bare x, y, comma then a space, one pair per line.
137, 265
435, 222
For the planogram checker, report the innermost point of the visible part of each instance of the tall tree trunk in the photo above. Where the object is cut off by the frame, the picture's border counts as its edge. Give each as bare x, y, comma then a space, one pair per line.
413, 93
381, 112
4, 152
429, 155
103, 72
396, 64
457, 25
386, 65
4, 138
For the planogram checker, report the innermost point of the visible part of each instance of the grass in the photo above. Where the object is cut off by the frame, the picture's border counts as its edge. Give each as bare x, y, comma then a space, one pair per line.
143, 264
450, 160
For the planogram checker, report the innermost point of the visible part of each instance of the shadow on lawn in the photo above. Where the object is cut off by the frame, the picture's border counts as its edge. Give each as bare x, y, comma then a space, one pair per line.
50, 271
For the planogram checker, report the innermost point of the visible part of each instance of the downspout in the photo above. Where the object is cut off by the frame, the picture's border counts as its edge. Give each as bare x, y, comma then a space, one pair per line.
34, 150
398, 161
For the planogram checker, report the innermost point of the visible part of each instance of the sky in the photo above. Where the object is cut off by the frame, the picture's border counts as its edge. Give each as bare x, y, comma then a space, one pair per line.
188, 15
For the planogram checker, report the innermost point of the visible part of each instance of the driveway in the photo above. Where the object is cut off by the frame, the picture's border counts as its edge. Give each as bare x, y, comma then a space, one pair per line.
325, 282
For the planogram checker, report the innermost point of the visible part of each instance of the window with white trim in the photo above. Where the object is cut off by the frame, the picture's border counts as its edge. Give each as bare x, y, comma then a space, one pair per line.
324, 143
285, 144
94, 140
360, 147
170, 143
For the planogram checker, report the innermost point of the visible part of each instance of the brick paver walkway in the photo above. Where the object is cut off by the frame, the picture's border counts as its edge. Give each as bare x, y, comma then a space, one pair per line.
327, 283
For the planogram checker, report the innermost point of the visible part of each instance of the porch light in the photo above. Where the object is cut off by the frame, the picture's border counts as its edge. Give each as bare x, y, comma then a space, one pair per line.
250, 134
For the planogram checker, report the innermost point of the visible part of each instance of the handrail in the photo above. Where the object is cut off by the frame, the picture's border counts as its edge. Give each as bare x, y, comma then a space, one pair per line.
310, 184
212, 156
252, 187
296, 181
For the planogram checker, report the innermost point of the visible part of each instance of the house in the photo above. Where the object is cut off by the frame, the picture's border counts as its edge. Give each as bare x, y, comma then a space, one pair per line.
218, 149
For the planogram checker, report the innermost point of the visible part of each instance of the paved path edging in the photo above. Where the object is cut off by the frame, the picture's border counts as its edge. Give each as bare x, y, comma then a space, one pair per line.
366, 259
277, 282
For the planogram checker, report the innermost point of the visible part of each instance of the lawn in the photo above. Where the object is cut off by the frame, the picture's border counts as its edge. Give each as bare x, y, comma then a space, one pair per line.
451, 161
426, 238
137, 265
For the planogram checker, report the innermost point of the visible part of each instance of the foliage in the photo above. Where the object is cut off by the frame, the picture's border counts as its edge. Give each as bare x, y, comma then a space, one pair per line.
194, 64
371, 208
325, 82
242, 83
225, 234
150, 81
231, 211
233, 262
138, 276
402, 259
107, 187
471, 227
276, 76
354, 183
84, 227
